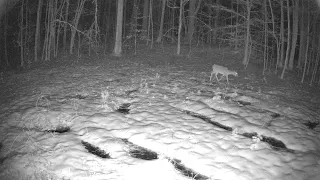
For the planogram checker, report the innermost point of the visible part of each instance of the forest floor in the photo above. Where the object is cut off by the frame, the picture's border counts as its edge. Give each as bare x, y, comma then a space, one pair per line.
157, 116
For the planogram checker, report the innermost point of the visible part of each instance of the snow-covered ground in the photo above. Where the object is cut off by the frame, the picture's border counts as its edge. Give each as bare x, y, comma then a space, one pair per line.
126, 120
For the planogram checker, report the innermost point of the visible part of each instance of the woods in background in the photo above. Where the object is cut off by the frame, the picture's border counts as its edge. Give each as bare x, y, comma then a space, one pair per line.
280, 34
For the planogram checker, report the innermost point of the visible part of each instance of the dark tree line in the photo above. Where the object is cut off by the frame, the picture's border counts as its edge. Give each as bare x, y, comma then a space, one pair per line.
280, 34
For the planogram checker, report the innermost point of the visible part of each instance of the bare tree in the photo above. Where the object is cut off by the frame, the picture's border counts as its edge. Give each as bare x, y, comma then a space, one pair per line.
21, 34
237, 28
75, 23
294, 32
180, 26
316, 65
145, 18
247, 41
37, 34
302, 41
150, 24
216, 22
2, 27
276, 39
118, 42
192, 8
65, 28
193, 11
288, 41
159, 39
307, 44
265, 49
280, 60
50, 45
5, 31
134, 17
134, 23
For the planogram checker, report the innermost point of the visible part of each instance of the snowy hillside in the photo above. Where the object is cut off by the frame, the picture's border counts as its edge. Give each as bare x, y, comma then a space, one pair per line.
128, 120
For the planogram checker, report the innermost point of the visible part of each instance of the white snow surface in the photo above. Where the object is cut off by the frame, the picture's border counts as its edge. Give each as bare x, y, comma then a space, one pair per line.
162, 101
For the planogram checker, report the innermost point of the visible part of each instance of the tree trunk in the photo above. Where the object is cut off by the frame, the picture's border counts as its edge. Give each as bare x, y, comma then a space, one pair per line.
294, 32
5, 27
192, 7
118, 41
50, 30
26, 33
125, 8
145, 18
280, 62
276, 39
216, 23
37, 35
236, 33
110, 29
302, 48
75, 24
247, 41
46, 22
173, 25
159, 39
21, 34
65, 28
316, 66
150, 25
55, 29
102, 15
180, 27
2, 29
307, 44
134, 16
288, 41
265, 49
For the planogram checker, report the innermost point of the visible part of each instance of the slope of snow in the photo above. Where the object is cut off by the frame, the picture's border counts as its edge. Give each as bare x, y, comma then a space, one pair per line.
218, 133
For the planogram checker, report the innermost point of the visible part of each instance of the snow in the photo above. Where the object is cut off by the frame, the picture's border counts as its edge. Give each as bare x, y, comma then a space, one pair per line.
217, 131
